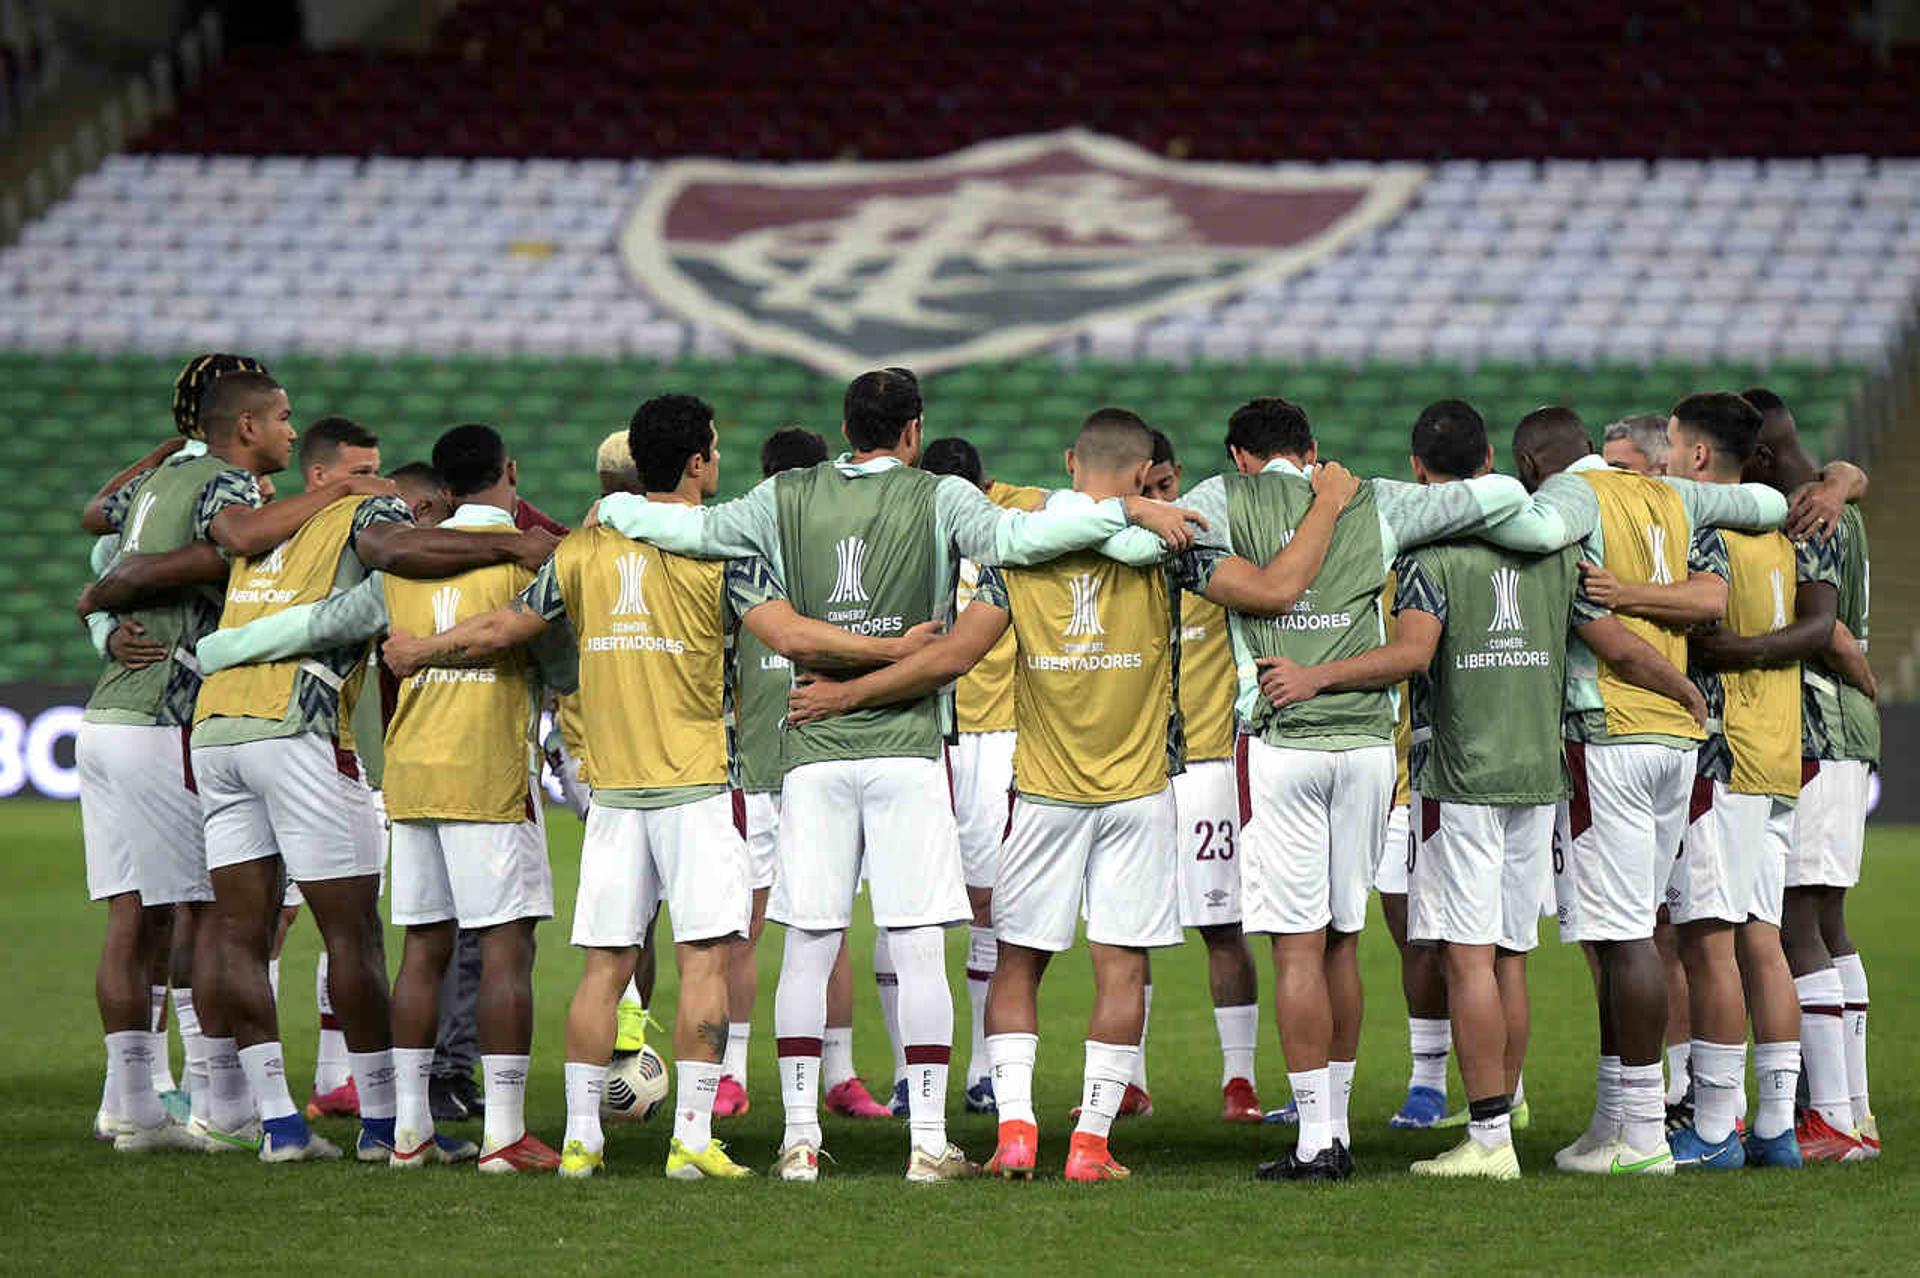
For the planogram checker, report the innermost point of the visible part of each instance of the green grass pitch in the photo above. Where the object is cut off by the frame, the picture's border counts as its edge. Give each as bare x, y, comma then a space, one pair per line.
71, 1204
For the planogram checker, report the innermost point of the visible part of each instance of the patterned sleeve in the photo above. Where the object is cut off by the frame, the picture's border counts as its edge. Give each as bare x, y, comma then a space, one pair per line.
1193, 569
542, 594
378, 510
991, 589
1816, 560
1418, 588
115, 511
750, 582
1708, 553
228, 488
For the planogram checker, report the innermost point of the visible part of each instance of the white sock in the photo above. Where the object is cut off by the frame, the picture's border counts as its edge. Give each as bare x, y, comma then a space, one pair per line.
1853, 1020
983, 955
1103, 1085
1239, 1030
1643, 1108
330, 1068
1605, 1124
1519, 1089
632, 993
1719, 1079
1312, 1096
1823, 1047
1012, 1057
1494, 1131
734, 1066
836, 1056
693, 1105
195, 1072
1678, 1056
412, 1113
886, 983
586, 1086
1140, 1061
1429, 1040
1776, 1070
229, 1096
926, 1030
157, 1024
1340, 1080
273, 981
266, 1070
373, 1080
130, 1076
800, 1026
505, 1087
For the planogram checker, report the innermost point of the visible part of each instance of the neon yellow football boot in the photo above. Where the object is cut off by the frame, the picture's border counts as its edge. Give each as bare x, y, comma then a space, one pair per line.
710, 1163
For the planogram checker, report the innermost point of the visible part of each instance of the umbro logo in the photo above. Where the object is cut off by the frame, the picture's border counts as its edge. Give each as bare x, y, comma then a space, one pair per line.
632, 600
1216, 897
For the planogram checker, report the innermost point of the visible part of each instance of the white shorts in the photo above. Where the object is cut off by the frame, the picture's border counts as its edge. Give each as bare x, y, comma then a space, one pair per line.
1722, 871
980, 765
475, 873
1830, 825
1479, 873
1618, 836
633, 858
1312, 822
757, 818
140, 814
1207, 843
299, 798
1390, 877
1119, 855
891, 816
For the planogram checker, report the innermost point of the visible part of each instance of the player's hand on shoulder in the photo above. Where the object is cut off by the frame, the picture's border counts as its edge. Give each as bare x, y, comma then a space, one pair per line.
813, 699
129, 645
1335, 483
1286, 682
593, 516
1172, 524
1814, 510
1601, 586
534, 548
371, 486
402, 652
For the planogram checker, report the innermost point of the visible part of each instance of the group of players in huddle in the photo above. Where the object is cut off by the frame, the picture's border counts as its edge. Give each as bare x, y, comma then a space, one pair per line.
1609, 689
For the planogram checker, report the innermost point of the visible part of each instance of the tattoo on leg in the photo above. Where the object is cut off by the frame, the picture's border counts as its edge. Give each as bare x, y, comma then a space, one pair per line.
714, 1035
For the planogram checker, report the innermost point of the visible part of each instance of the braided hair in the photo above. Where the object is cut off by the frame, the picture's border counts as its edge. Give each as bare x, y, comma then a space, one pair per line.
191, 386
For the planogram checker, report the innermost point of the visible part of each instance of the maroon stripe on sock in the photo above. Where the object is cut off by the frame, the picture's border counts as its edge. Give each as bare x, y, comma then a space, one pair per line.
328, 1021
975, 974
886, 978
1820, 1009
929, 1054
796, 1047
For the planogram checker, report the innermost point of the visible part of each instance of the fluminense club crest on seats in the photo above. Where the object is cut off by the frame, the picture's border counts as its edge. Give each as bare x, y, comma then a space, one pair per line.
990, 252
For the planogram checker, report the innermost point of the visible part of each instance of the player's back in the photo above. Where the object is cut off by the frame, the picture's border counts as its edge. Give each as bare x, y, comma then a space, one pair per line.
651, 629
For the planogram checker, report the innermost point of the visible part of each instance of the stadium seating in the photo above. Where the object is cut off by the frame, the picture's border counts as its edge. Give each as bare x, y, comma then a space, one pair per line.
577, 78
71, 419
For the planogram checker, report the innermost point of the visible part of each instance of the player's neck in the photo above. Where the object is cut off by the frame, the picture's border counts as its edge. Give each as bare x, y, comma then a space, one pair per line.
686, 494
1792, 469
861, 456
1101, 487
500, 497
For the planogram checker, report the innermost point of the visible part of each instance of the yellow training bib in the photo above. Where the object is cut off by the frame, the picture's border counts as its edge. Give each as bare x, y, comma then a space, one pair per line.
1644, 526
1760, 714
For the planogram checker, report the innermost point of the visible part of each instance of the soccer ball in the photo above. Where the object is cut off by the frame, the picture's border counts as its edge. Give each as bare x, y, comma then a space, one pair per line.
636, 1086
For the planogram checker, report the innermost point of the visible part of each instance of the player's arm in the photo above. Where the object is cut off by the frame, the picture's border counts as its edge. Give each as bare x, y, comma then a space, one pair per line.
1846, 658
1815, 604
94, 516
1419, 513
1700, 598
1744, 507
481, 640
818, 645
139, 581
1285, 682
1640, 663
1557, 515
747, 525
1815, 508
989, 534
1277, 586
254, 530
927, 671
425, 554
352, 616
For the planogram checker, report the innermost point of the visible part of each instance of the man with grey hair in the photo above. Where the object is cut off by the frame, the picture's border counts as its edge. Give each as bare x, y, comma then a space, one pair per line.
1637, 443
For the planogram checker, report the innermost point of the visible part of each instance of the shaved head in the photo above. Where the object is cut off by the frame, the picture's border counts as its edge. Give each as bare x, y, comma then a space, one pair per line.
1113, 439
1547, 441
